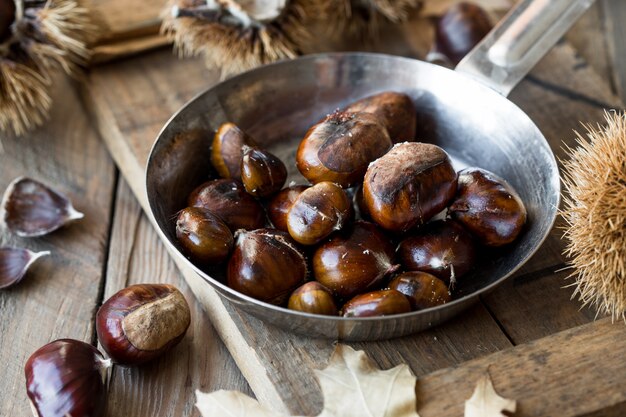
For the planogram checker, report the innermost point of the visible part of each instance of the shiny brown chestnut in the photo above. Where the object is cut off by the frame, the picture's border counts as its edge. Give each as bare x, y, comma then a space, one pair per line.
226, 150
488, 207
460, 29
313, 298
394, 110
377, 303
203, 235
354, 261
442, 248
281, 203
67, 378
317, 212
262, 173
340, 147
228, 200
422, 289
141, 322
267, 265
409, 185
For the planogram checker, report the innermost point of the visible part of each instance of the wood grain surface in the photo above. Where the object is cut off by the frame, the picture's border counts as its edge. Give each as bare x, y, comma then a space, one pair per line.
559, 93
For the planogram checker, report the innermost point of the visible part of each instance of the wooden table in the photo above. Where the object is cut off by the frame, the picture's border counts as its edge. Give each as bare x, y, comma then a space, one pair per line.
539, 346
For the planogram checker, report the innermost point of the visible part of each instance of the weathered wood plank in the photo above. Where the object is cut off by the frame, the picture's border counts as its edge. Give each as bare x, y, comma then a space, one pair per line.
554, 376
57, 299
614, 14
165, 387
274, 371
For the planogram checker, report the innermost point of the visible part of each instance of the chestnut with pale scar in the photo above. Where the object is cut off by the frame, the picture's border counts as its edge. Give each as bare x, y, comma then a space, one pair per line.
409, 185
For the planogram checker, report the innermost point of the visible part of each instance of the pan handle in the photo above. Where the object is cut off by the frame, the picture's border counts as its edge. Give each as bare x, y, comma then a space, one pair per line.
520, 40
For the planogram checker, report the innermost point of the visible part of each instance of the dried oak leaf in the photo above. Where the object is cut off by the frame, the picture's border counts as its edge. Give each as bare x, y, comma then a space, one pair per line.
485, 402
352, 387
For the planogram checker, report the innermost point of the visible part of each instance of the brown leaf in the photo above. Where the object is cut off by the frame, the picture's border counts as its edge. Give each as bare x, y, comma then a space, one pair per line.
485, 402
352, 387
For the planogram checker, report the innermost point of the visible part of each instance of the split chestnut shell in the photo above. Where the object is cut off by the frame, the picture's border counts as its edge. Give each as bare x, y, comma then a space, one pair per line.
141, 322
266, 265
340, 147
67, 378
488, 207
14, 263
394, 110
409, 185
32, 209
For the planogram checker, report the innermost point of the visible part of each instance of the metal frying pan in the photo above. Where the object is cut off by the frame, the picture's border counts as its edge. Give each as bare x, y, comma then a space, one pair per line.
466, 112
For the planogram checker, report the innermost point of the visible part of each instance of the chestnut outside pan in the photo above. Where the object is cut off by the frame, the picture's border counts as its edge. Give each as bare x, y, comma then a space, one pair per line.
464, 111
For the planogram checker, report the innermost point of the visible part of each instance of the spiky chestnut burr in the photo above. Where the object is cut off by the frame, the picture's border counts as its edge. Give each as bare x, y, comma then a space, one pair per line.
594, 177
44, 36
234, 36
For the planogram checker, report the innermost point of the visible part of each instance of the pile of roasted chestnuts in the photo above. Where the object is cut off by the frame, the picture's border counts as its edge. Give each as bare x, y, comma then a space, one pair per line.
385, 226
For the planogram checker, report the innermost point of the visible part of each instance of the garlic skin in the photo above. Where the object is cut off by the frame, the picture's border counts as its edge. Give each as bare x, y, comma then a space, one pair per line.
32, 209
14, 263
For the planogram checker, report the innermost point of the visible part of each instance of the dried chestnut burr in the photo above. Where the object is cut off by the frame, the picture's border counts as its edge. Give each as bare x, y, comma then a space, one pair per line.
376, 303
354, 261
203, 235
281, 203
422, 289
394, 110
340, 147
267, 265
14, 263
262, 173
32, 209
141, 322
226, 150
67, 378
409, 185
313, 298
488, 207
442, 248
317, 212
228, 200
460, 29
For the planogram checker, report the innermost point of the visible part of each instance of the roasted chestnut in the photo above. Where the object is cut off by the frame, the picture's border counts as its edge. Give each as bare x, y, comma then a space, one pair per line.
488, 207
67, 378
354, 261
262, 173
228, 200
141, 322
340, 147
266, 265
409, 185
442, 248
422, 289
313, 298
226, 150
280, 205
394, 110
377, 303
460, 29
317, 212
203, 235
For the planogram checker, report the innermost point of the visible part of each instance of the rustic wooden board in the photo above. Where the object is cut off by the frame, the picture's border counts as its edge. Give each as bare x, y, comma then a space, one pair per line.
167, 386
57, 298
276, 363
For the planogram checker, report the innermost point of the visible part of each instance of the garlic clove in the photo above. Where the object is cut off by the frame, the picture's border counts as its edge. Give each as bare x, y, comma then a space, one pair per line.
14, 263
31, 209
